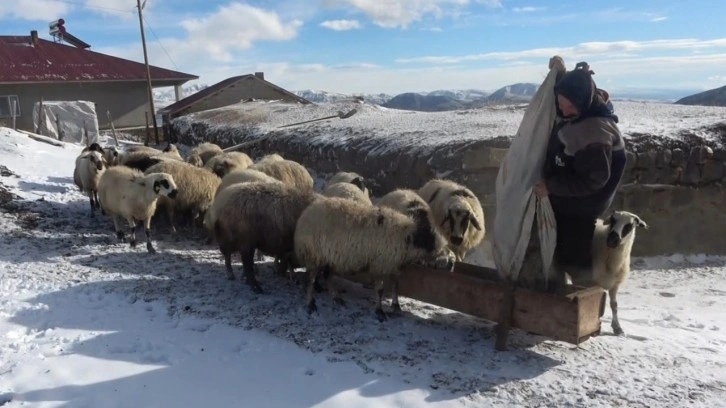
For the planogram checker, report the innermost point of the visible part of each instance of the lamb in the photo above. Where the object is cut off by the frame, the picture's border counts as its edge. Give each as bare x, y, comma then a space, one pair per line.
205, 151
611, 246
224, 163
348, 191
349, 177
89, 169
454, 208
127, 193
196, 189
340, 237
257, 216
289, 172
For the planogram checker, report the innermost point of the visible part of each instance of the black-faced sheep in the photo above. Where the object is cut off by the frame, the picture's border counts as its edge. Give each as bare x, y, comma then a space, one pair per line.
89, 168
172, 151
224, 163
204, 152
611, 247
289, 172
349, 177
335, 236
127, 193
457, 212
348, 191
257, 216
196, 189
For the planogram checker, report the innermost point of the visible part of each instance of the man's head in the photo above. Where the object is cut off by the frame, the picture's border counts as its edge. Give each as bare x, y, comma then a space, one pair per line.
575, 91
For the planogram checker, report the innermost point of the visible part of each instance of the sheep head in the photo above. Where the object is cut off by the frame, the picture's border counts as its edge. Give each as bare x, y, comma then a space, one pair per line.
163, 184
96, 159
620, 224
459, 215
195, 160
427, 240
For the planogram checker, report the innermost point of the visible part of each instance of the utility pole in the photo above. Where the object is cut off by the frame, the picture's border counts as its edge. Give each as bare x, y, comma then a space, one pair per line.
148, 71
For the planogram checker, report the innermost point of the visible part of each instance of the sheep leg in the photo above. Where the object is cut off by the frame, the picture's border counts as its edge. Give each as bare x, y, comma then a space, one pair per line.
613, 294
228, 264
147, 231
259, 257
332, 287
312, 272
248, 266
119, 232
172, 224
132, 233
395, 306
380, 315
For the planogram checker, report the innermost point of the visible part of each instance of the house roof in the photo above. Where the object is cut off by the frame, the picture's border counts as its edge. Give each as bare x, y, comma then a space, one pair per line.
220, 86
47, 61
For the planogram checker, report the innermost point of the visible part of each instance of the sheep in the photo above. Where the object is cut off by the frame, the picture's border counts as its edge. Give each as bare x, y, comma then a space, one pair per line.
271, 157
205, 151
611, 246
257, 216
196, 189
172, 151
195, 160
142, 157
348, 191
455, 208
89, 169
111, 155
224, 163
349, 177
244, 176
127, 193
402, 200
340, 237
289, 172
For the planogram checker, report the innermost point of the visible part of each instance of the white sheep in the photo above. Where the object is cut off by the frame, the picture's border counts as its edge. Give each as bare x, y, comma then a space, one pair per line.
257, 216
205, 151
224, 163
195, 160
143, 157
402, 200
196, 189
172, 151
611, 247
127, 193
271, 157
89, 168
341, 237
244, 176
289, 172
349, 177
456, 210
348, 191
111, 155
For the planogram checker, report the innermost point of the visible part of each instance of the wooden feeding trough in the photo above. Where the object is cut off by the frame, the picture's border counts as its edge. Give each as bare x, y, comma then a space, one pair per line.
478, 291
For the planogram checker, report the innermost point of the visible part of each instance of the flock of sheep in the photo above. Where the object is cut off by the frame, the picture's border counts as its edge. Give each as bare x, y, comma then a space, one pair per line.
270, 207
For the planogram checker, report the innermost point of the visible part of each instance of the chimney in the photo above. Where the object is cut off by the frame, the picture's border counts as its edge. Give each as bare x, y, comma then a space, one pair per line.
260, 75
34, 37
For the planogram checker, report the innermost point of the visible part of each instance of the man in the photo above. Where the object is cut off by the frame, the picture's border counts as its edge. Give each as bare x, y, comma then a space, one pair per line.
584, 163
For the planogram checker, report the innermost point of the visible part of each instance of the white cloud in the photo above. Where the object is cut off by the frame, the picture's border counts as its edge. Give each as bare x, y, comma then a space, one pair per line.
527, 9
587, 49
658, 19
44, 10
401, 13
717, 78
341, 25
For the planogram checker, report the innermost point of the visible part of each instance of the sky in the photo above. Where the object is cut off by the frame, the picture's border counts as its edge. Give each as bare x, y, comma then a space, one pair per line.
394, 46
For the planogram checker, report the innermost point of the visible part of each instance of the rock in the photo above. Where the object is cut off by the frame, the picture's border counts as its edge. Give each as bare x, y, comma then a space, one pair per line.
720, 154
678, 157
646, 160
713, 171
682, 197
702, 154
692, 172
663, 158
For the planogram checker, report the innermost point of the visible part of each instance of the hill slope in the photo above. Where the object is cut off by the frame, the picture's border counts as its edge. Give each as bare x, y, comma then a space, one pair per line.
713, 97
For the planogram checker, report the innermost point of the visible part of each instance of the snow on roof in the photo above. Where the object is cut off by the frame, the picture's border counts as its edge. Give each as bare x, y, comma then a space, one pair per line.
424, 130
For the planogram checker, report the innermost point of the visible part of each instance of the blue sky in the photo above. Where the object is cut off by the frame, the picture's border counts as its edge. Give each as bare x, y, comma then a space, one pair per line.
396, 46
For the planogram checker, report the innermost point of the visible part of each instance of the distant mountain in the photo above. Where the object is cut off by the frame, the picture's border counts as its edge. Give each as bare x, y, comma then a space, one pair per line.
319, 96
425, 103
521, 92
713, 97
466, 95
165, 96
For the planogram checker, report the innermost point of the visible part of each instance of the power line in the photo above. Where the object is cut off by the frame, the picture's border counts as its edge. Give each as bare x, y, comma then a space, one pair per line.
86, 5
160, 44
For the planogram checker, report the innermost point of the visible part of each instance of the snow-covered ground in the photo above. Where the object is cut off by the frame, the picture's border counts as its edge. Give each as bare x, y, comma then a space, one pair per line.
87, 322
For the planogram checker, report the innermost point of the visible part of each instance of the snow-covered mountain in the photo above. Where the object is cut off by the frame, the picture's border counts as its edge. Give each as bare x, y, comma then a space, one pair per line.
165, 96
320, 96
464, 95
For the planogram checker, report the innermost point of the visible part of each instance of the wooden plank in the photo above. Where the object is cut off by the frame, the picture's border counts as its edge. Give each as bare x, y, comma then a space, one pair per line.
477, 291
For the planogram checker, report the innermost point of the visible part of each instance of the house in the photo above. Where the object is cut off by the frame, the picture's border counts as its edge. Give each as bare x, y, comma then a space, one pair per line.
32, 68
230, 91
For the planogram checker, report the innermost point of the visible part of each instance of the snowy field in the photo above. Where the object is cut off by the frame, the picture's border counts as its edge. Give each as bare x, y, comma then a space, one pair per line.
87, 322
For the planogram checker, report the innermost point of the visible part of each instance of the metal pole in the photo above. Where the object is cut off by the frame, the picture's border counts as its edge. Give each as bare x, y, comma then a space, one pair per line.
14, 113
148, 71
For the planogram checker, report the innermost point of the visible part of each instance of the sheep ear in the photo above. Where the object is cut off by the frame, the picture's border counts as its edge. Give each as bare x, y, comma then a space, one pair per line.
609, 220
641, 223
156, 187
359, 182
474, 221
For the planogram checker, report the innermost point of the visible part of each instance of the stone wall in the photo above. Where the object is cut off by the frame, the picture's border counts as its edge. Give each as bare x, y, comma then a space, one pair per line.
676, 188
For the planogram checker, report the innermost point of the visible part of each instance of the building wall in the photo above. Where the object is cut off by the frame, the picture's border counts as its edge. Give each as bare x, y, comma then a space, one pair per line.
244, 89
127, 101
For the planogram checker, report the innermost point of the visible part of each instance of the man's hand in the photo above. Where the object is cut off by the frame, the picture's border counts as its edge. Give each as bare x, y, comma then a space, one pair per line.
557, 63
540, 189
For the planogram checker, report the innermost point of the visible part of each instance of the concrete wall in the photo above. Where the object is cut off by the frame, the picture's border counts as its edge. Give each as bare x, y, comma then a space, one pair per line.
247, 88
678, 191
127, 101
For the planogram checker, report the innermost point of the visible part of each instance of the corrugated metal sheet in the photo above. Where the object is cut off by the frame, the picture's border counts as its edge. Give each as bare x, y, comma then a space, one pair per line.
47, 61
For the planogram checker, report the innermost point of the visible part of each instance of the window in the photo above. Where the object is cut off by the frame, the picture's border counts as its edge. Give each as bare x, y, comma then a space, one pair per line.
6, 106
